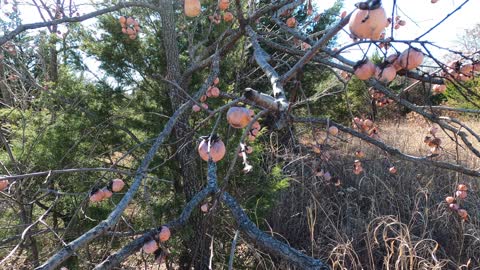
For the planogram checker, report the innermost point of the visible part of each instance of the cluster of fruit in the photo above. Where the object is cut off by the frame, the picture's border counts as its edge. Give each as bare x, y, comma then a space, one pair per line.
379, 97
303, 45
357, 164
433, 141
461, 194
461, 71
365, 126
153, 245
130, 26
325, 174
239, 117
227, 16
9, 48
398, 22
212, 91
99, 194
14, 7
193, 8
409, 59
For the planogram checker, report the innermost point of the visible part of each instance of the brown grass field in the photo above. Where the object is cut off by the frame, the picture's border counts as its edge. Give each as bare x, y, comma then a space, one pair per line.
377, 220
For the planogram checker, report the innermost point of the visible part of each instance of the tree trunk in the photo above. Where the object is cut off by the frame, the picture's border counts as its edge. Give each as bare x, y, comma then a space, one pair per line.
6, 95
30, 243
195, 246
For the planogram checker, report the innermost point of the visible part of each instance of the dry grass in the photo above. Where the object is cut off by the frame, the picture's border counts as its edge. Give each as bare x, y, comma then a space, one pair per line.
377, 220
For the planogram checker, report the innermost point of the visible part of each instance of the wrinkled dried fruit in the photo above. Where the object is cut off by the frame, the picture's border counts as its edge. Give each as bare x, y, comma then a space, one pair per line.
463, 214
228, 17
223, 4
195, 108
364, 70
291, 22
164, 234
106, 193
368, 24
238, 117
359, 154
411, 58
453, 206
450, 199
462, 187
333, 130
217, 149
117, 185
461, 194
150, 247
192, 8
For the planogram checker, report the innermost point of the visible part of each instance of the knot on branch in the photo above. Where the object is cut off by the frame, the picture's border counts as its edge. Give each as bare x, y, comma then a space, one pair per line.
261, 99
276, 107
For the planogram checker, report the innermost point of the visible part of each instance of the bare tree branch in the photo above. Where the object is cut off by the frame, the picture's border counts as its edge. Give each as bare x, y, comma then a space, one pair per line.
268, 243
262, 59
25, 27
51, 172
119, 256
112, 219
319, 44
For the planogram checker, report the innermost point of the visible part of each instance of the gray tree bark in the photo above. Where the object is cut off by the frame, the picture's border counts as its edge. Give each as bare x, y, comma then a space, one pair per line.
196, 246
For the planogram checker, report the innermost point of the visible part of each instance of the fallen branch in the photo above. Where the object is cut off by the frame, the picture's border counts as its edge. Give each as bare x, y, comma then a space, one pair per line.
268, 243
